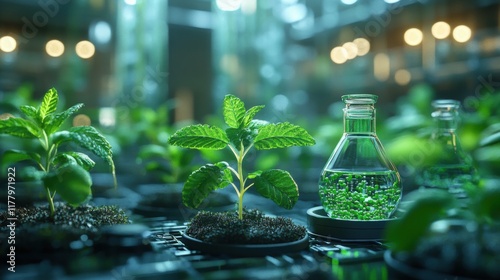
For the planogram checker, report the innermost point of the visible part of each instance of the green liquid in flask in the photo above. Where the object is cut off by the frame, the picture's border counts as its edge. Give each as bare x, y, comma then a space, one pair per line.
359, 195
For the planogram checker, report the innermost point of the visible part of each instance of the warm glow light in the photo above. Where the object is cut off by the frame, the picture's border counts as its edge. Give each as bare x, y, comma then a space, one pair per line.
413, 36
81, 120
363, 46
54, 48
85, 49
440, 30
381, 66
490, 44
462, 33
228, 5
352, 50
338, 55
402, 77
8, 44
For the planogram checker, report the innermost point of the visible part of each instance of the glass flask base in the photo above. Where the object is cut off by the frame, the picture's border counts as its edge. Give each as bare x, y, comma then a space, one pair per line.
321, 225
451, 178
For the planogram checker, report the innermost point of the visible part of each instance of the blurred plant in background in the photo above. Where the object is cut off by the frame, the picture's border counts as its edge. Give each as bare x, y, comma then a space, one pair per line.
9, 105
158, 159
141, 134
409, 131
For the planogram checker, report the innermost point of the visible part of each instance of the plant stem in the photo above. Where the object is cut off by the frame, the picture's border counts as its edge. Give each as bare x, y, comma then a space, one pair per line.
51, 203
50, 197
240, 157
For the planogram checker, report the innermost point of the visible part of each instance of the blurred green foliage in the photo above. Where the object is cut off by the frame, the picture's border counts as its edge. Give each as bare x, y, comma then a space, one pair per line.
422, 208
410, 128
156, 157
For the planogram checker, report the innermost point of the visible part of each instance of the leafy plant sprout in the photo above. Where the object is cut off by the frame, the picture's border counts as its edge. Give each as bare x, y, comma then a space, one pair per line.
64, 173
244, 133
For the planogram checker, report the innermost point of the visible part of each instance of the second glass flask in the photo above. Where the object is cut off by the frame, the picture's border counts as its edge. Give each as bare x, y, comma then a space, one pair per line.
359, 182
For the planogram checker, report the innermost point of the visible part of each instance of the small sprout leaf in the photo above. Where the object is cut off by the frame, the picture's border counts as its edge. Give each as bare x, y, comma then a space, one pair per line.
250, 114
76, 158
19, 127
71, 182
233, 111
88, 138
279, 186
30, 112
49, 104
203, 181
12, 156
282, 135
54, 121
200, 137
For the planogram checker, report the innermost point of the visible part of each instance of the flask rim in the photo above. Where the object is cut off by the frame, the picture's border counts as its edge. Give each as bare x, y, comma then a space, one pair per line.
447, 104
360, 98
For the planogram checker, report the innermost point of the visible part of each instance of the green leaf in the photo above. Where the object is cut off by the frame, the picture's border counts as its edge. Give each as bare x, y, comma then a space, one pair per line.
424, 207
491, 139
203, 181
277, 185
238, 135
282, 135
88, 138
245, 135
151, 151
49, 104
19, 127
75, 158
54, 121
250, 114
233, 111
12, 156
30, 112
71, 181
488, 204
200, 137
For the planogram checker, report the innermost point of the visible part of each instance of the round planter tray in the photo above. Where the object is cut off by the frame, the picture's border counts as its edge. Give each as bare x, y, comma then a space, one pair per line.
402, 270
320, 224
245, 250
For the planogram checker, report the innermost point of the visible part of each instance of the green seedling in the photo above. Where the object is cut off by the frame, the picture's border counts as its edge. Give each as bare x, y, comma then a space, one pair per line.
243, 133
63, 172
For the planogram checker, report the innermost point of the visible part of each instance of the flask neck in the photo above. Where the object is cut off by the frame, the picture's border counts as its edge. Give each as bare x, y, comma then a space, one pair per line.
360, 119
359, 113
446, 119
446, 125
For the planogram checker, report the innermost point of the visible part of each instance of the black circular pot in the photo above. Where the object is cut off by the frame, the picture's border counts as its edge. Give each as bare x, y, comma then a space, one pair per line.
246, 250
319, 223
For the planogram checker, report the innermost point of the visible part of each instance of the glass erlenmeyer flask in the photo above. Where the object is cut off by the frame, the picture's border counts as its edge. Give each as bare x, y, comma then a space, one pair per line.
359, 182
454, 168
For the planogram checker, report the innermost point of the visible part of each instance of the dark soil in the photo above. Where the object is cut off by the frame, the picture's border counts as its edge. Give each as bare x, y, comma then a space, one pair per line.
254, 228
84, 217
70, 228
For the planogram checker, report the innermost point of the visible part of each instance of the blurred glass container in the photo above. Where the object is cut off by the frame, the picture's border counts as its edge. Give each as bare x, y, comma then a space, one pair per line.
359, 182
454, 169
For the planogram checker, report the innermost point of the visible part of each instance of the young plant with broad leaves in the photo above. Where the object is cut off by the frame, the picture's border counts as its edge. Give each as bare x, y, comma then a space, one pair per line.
243, 133
62, 172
